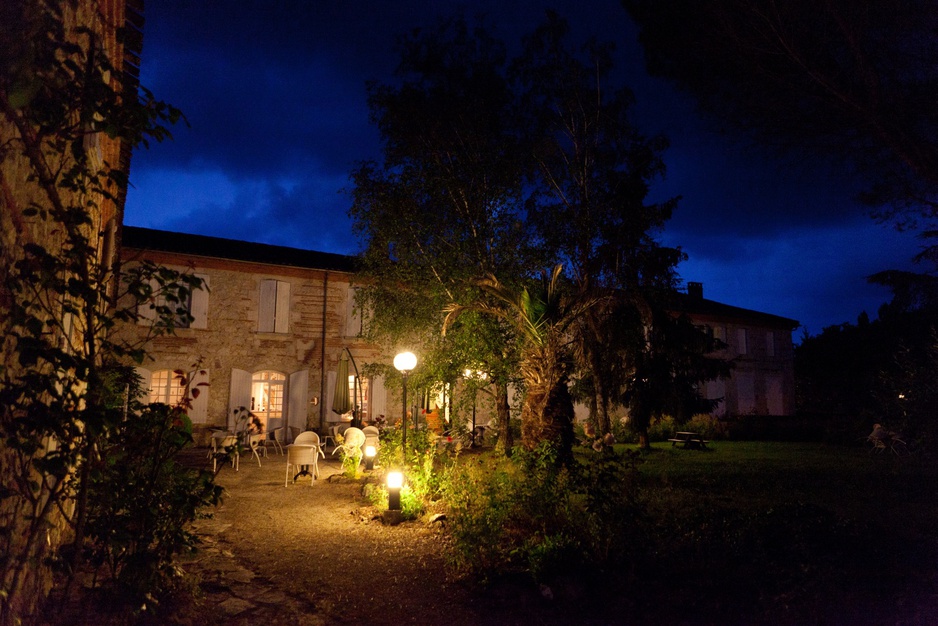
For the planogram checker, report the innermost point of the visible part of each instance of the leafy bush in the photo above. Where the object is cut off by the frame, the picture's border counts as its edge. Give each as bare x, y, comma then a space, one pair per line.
707, 425
529, 512
142, 499
662, 429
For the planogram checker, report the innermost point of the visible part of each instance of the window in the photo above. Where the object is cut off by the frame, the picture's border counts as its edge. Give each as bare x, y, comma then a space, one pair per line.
742, 340
165, 387
719, 333
273, 314
359, 396
770, 344
267, 389
194, 305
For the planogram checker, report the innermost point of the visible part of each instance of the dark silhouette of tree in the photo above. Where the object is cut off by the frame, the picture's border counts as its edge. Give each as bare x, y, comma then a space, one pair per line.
854, 81
593, 169
445, 206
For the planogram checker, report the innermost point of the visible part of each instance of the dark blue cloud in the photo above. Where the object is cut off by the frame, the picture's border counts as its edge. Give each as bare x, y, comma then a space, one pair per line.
275, 94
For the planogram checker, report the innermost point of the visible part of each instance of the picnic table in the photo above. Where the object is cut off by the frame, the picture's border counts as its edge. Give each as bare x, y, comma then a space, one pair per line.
689, 440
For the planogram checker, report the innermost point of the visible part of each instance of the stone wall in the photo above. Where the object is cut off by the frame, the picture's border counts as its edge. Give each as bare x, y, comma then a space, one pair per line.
309, 349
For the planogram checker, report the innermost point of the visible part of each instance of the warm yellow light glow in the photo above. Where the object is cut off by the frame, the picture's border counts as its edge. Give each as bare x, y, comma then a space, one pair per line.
476, 374
395, 480
405, 361
370, 451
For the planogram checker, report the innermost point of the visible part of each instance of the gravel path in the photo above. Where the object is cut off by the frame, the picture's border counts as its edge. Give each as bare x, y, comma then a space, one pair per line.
316, 554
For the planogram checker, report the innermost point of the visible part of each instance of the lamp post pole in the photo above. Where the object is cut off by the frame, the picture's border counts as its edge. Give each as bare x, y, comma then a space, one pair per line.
405, 417
404, 362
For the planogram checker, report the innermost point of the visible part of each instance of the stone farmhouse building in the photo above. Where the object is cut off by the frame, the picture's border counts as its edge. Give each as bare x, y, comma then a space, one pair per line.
760, 346
271, 328
269, 332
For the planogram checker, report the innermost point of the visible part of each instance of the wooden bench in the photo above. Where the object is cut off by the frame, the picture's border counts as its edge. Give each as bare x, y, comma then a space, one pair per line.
689, 440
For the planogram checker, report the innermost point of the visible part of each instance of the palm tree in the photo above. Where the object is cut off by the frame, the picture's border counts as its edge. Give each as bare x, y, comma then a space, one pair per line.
541, 319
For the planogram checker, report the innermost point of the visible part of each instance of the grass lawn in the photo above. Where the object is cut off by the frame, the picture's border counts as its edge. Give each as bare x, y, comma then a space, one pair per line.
757, 532
899, 494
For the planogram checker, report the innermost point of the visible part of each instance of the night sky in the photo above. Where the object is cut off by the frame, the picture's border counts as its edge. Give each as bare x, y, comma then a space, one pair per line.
275, 95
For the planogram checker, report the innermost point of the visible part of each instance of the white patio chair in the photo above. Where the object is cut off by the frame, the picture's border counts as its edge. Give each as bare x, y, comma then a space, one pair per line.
255, 443
352, 446
273, 439
225, 447
300, 456
309, 438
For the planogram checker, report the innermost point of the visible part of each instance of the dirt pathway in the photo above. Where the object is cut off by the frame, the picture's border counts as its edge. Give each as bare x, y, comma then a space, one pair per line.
313, 555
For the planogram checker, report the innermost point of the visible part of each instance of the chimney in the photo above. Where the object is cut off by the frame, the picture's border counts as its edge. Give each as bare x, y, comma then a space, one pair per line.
695, 290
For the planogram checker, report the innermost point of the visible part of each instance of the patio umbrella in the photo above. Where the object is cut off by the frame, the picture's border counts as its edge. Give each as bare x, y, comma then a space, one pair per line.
341, 403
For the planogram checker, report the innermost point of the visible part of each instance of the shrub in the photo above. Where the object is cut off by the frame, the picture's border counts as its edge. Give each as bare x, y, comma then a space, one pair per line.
527, 512
142, 500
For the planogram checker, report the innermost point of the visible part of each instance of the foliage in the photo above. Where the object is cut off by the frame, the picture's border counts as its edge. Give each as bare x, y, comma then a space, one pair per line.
422, 468
835, 80
493, 170
530, 512
748, 533
444, 206
668, 369
59, 407
541, 317
142, 499
879, 371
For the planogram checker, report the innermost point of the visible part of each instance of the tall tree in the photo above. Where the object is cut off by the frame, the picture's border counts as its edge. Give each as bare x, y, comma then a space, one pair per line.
835, 78
445, 205
593, 169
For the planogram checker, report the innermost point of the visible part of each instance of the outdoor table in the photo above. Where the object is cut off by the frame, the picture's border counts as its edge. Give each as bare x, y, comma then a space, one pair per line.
689, 440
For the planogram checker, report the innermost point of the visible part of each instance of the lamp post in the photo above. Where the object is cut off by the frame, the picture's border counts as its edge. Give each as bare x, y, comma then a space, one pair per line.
395, 481
370, 453
404, 362
476, 375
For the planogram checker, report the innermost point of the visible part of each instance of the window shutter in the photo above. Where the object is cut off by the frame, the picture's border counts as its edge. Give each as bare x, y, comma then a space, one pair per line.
745, 393
743, 339
199, 411
199, 304
770, 345
282, 314
146, 314
146, 376
267, 306
296, 403
379, 397
239, 395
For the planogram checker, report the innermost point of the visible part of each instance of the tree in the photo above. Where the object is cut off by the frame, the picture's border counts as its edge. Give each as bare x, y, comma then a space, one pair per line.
445, 206
674, 357
825, 79
70, 117
542, 318
592, 173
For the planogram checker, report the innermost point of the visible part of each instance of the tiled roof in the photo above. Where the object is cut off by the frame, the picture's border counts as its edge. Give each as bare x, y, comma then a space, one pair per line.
697, 305
232, 249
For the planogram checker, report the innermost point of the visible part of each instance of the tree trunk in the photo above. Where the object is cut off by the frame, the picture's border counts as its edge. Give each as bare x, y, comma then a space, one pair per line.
643, 441
547, 415
503, 411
